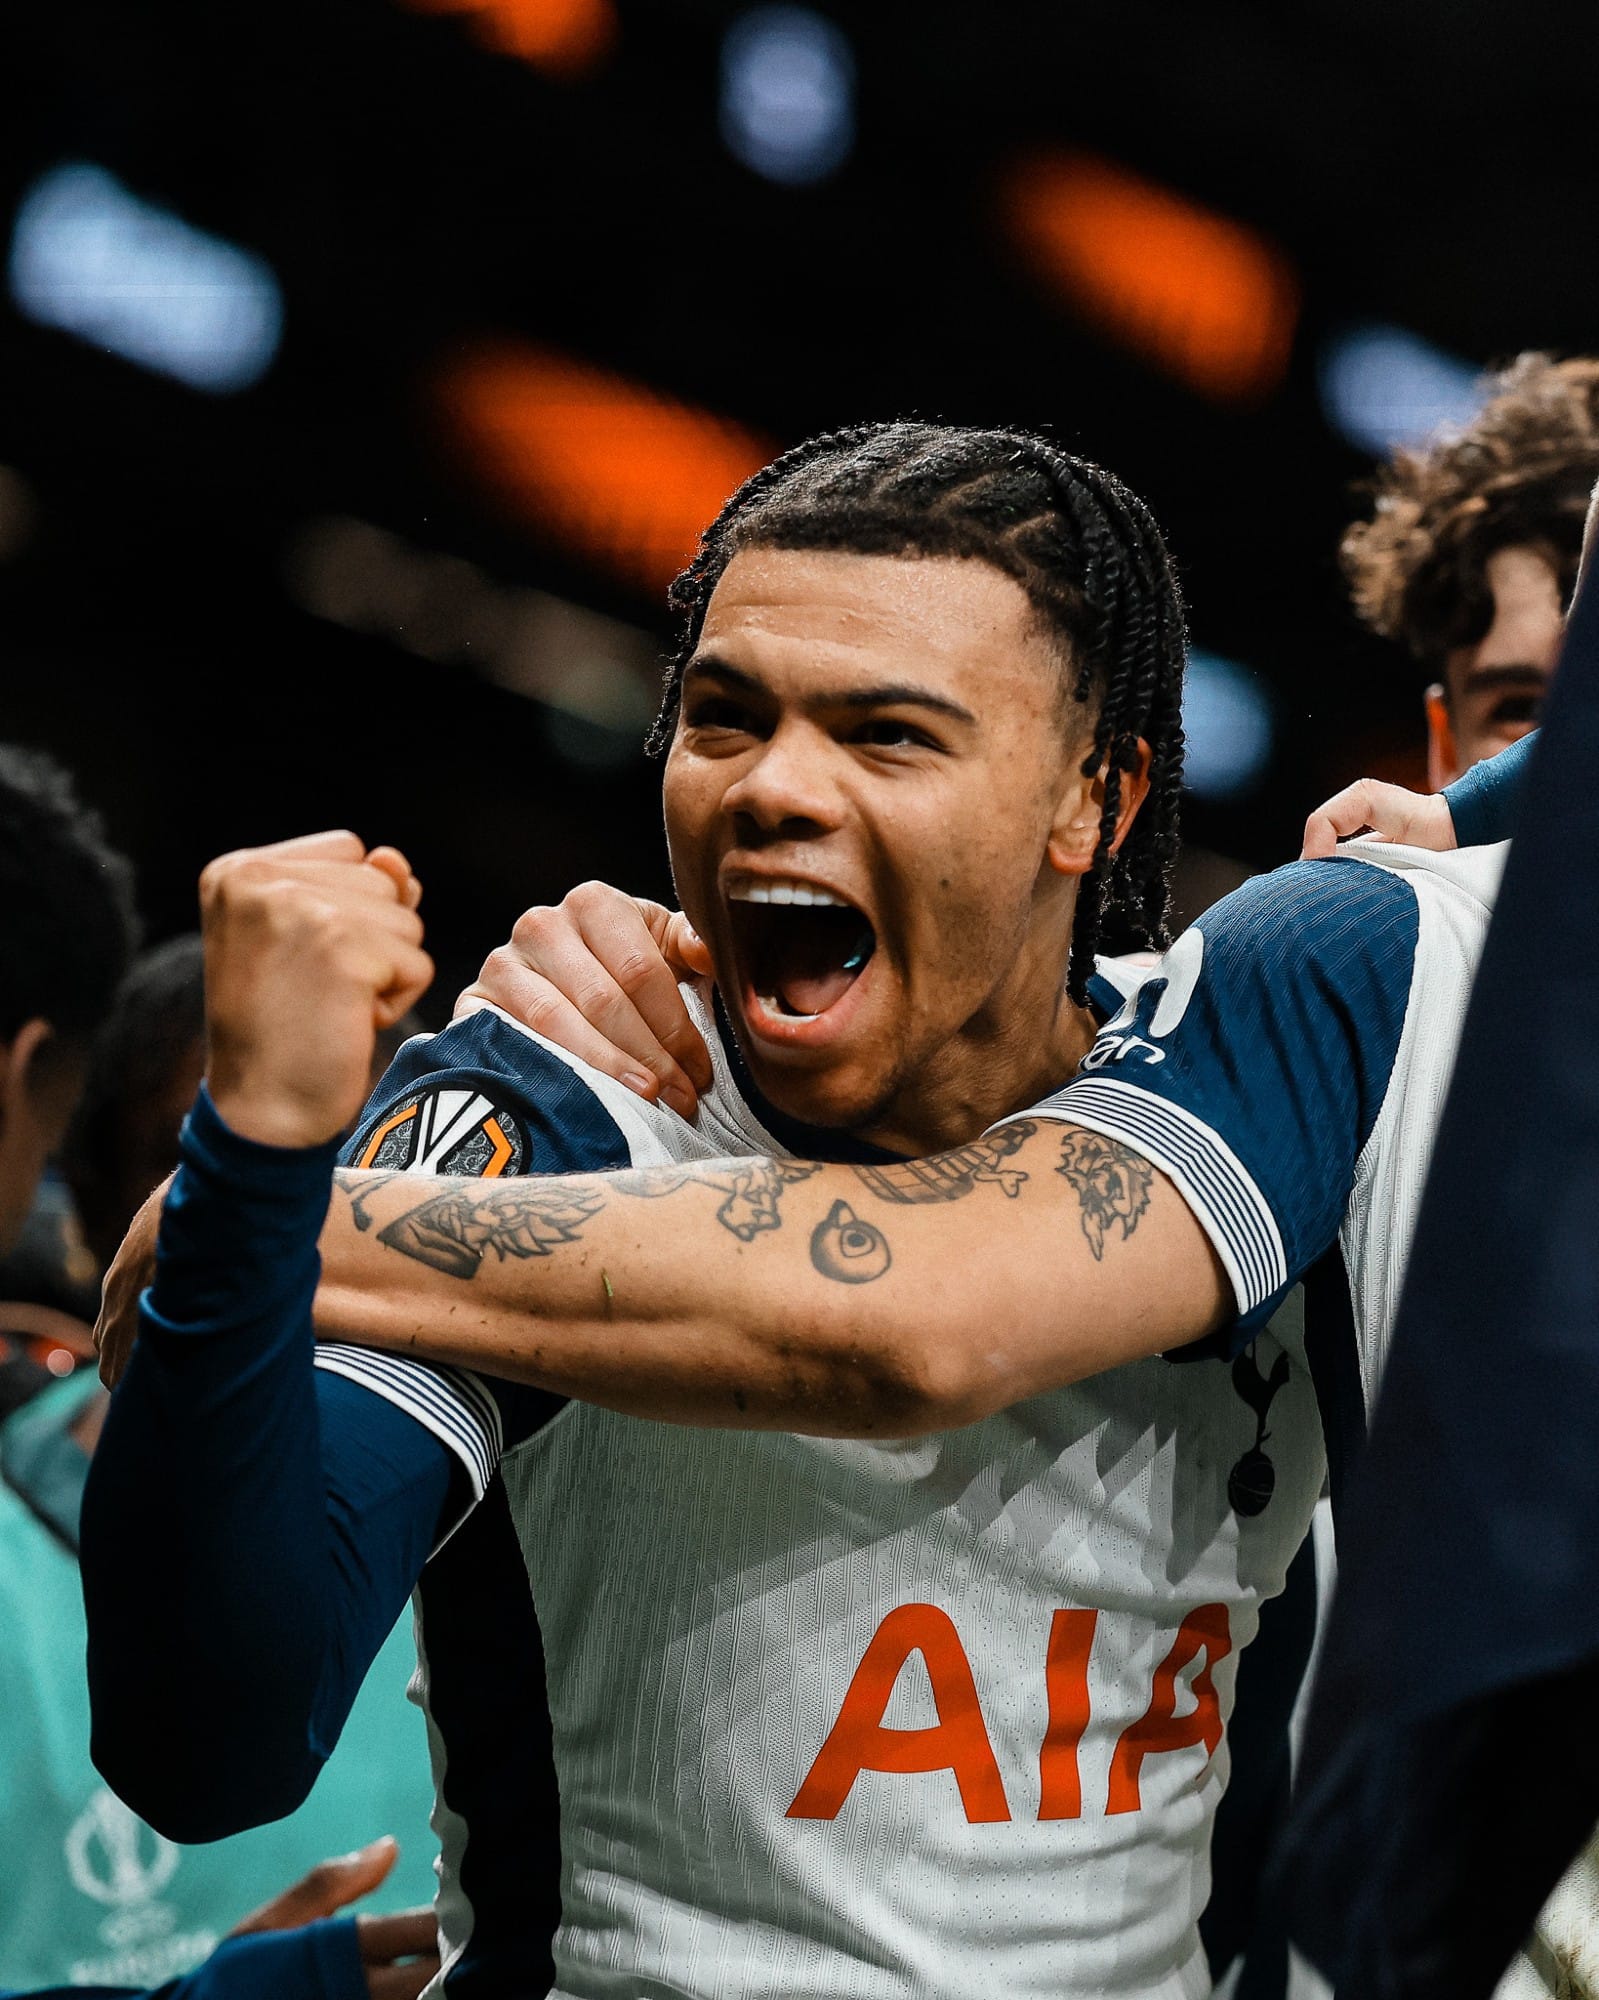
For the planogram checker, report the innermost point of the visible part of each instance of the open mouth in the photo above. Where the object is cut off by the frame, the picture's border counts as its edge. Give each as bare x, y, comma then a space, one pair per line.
800, 948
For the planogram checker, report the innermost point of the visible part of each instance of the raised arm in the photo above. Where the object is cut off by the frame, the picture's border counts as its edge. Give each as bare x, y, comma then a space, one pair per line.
1199, 1162
250, 1531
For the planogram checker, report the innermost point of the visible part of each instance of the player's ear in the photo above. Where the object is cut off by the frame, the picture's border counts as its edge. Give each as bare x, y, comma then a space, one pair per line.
34, 1108
22, 1061
1074, 838
1443, 759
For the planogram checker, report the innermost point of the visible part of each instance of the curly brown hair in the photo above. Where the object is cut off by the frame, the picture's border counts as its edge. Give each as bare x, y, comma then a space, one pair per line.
1520, 474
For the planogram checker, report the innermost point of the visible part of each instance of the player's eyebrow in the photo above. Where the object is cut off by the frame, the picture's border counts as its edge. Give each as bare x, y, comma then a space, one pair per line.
885, 694
1480, 680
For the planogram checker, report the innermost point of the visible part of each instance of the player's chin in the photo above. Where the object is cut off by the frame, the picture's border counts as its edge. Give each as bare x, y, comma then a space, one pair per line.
843, 1097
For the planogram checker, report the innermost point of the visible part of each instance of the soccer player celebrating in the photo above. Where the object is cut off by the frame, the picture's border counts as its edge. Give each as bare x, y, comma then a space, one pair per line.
830, 1714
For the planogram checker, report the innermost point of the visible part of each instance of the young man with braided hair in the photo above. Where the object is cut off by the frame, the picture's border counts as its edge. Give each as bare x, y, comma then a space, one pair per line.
886, 812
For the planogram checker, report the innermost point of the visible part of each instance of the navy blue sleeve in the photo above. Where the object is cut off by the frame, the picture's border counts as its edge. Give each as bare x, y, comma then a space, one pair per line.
250, 1529
1483, 802
1252, 1062
259, 1508
320, 1961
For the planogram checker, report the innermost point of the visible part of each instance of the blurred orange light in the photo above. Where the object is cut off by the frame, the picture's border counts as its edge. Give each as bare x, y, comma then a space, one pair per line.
563, 36
629, 477
1203, 296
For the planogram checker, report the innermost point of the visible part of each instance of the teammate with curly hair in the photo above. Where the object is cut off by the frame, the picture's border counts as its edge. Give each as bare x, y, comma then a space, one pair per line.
1470, 555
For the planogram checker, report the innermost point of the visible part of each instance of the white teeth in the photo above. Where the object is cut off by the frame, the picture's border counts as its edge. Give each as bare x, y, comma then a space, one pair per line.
805, 894
773, 1006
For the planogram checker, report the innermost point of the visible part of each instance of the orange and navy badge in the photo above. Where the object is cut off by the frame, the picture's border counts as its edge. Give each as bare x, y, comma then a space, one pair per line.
457, 1132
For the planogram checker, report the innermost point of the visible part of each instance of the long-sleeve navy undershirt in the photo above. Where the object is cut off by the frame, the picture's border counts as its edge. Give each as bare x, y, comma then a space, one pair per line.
226, 1451
1484, 801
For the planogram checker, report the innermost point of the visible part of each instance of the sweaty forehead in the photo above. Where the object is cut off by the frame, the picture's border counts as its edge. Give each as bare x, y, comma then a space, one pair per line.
952, 618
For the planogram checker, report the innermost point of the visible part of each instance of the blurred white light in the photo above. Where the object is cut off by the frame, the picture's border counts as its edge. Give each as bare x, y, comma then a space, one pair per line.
1383, 387
95, 260
596, 678
1227, 723
788, 94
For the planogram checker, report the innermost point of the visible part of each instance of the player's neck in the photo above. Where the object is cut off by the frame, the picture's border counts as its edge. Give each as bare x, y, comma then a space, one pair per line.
1026, 1042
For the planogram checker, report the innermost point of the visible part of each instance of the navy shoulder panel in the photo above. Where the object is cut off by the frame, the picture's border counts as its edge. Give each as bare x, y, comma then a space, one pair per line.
1252, 1063
484, 1100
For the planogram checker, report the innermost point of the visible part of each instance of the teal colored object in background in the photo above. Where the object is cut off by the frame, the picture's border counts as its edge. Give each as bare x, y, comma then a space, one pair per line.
91, 1895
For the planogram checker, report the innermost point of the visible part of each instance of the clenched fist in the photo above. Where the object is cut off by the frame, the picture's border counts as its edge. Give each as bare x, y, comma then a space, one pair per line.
311, 946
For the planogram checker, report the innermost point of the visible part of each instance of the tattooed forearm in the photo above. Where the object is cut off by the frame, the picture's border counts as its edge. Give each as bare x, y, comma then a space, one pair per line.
454, 1232
948, 1176
1113, 1184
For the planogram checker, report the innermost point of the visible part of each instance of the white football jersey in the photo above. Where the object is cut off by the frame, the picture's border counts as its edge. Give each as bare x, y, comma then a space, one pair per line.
830, 1718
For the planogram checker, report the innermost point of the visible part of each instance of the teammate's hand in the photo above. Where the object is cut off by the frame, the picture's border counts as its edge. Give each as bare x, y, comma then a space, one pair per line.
1388, 812
132, 1268
399, 1953
598, 975
311, 946
325, 1889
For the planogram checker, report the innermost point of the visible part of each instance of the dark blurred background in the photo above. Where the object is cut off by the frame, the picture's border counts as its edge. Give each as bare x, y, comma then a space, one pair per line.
370, 365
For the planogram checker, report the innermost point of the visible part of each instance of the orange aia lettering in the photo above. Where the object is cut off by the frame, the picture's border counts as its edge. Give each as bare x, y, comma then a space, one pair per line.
1160, 1727
1060, 1787
858, 1741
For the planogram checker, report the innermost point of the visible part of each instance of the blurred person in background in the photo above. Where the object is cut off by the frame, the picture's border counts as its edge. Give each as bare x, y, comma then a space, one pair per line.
93, 1899
1469, 557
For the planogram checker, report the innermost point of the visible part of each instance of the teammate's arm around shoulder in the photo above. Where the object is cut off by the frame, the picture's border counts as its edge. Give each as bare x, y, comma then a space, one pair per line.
597, 974
1478, 809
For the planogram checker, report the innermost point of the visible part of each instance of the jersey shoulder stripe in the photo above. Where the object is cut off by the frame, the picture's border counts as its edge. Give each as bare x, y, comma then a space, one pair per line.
1231, 1209
450, 1403
1251, 1063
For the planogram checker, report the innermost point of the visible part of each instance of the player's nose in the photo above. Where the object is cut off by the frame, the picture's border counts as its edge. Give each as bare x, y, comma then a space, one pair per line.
788, 786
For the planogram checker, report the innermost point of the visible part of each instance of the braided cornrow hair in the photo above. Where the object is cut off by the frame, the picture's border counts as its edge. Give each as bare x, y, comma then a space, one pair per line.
1084, 549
